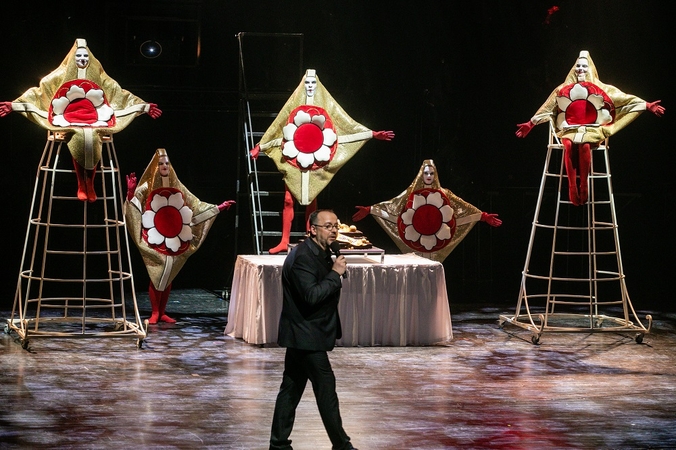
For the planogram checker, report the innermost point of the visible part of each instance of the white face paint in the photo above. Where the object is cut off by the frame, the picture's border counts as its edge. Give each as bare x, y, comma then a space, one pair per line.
163, 165
581, 69
428, 175
310, 86
82, 57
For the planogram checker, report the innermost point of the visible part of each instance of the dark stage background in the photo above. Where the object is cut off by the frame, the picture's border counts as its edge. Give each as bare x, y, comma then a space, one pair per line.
451, 78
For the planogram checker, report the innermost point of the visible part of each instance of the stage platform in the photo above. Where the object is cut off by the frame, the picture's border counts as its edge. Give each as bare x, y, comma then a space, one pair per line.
192, 387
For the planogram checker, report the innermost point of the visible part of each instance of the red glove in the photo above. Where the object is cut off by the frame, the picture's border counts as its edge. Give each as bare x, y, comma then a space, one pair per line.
5, 108
383, 135
524, 129
154, 111
131, 185
363, 212
226, 205
655, 108
491, 219
255, 151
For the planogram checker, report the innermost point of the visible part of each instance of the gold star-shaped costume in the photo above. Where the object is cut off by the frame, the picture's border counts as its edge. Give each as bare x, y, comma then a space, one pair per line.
306, 184
388, 215
163, 266
626, 108
85, 141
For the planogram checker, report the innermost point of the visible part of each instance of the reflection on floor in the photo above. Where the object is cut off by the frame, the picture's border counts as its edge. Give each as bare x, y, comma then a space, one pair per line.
192, 387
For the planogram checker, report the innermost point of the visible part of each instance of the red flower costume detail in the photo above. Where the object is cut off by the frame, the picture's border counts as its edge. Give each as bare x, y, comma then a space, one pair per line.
427, 223
310, 139
166, 222
81, 103
584, 103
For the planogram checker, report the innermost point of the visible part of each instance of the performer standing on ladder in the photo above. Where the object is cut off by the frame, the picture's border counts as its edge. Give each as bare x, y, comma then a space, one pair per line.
585, 112
309, 141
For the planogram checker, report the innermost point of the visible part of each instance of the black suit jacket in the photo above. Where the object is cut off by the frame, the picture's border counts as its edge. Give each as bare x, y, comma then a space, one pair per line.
309, 318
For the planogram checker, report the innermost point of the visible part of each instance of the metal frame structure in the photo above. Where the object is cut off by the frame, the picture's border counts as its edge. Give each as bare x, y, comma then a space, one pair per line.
75, 276
578, 284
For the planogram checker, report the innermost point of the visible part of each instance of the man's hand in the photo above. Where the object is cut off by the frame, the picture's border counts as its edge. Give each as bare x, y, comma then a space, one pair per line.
383, 135
5, 108
524, 129
363, 212
226, 205
491, 219
340, 265
154, 111
131, 185
653, 107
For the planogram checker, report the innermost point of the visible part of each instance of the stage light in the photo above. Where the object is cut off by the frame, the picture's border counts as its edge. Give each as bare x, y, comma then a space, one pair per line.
150, 49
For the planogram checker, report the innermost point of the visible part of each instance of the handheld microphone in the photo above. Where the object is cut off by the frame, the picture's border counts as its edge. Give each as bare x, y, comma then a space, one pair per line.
335, 248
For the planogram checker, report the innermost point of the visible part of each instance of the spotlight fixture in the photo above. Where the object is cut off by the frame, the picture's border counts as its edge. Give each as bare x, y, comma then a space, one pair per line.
150, 49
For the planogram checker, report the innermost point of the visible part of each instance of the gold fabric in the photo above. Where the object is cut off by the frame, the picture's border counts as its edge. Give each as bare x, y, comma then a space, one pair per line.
35, 102
627, 108
387, 213
346, 129
163, 268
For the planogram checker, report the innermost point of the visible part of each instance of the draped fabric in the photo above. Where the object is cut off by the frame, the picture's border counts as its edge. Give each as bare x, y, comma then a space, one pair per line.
464, 216
84, 143
163, 265
305, 183
398, 303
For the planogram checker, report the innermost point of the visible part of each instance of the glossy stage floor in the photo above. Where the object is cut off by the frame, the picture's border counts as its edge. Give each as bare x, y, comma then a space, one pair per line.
191, 387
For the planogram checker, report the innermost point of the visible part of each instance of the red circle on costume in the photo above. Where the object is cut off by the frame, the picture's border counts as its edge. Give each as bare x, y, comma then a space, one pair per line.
82, 110
581, 111
308, 138
426, 221
167, 222
309, 141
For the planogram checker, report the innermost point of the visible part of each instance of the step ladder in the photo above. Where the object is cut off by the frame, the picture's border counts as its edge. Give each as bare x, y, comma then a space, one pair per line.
75, 278
266, 81
573, 279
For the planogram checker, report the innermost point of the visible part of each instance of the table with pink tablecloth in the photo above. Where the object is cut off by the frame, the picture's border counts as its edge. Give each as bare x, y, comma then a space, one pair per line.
397, 302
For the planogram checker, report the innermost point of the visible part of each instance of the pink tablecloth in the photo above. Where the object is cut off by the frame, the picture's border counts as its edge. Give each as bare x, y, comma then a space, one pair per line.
402, 301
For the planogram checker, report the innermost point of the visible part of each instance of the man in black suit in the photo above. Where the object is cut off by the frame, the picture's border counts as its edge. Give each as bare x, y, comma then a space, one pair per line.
308, 328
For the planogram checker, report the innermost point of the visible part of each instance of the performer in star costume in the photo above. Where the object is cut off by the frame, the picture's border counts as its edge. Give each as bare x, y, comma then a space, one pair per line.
80, 100
585, 112
310, 141
427, 219
168, 224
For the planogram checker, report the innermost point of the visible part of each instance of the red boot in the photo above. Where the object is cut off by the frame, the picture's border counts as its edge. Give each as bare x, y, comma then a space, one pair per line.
89, 184
163, 305
571, 172
584, 158
81, 181
155, 299
287, 219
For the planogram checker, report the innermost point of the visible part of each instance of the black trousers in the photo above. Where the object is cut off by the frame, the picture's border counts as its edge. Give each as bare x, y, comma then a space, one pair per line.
299, 367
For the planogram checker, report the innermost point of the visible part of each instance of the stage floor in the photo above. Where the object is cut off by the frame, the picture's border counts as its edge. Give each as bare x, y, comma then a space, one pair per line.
191, 387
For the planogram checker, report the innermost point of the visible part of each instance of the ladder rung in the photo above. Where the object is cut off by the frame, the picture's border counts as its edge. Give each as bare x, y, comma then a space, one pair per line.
267, 193
279, 233
266, 173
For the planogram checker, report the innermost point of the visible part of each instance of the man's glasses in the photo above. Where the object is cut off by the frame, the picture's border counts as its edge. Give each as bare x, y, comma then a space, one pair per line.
328, 226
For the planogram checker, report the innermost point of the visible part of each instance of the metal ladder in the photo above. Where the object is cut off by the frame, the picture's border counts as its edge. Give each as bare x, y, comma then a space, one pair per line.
260, 103
75, 278
573, 279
